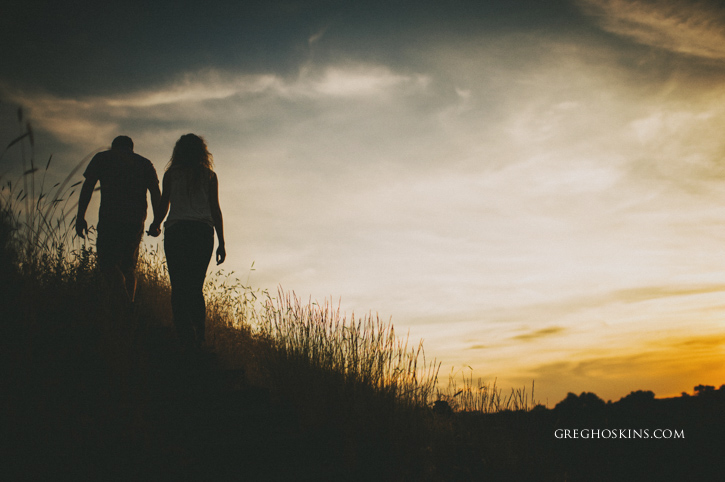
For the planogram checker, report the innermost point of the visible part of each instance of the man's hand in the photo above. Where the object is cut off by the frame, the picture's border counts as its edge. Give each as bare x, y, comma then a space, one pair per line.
154, 230
221, 254
81, 228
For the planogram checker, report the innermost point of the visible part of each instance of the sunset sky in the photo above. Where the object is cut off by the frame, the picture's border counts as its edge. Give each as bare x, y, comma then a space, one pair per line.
535, 188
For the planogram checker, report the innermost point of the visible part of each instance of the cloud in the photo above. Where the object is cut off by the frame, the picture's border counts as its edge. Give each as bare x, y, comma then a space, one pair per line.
209, 85
648, 293
682, 26
234, 106
620, 304
336, 81
535, 335
69, 120
317, 36
359, 81
202, 86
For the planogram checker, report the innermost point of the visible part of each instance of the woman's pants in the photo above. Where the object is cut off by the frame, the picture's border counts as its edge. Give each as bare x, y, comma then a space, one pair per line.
188, 246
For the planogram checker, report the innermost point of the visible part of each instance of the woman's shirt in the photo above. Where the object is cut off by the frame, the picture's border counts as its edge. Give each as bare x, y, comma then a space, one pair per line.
189, 198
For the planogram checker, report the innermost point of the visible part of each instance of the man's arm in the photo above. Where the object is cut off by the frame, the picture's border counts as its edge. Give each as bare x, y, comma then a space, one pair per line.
83, 200
156, 200
161, 208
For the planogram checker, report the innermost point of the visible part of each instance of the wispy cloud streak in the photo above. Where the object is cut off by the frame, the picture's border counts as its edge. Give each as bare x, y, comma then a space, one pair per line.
676, 25
92, 120
666, 367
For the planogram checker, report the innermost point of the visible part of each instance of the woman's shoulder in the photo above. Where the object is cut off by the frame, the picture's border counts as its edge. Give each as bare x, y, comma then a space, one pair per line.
172, 172
175, 175
211, 175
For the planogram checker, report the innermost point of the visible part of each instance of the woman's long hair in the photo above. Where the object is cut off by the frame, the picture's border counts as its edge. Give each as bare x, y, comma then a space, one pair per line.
192, 155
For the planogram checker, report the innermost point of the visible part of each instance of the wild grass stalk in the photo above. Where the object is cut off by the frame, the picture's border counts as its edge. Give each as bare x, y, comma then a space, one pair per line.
40, 219
361, 351
478, 396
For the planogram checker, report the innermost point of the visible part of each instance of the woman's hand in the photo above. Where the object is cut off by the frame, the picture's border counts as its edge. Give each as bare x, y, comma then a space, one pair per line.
221, 254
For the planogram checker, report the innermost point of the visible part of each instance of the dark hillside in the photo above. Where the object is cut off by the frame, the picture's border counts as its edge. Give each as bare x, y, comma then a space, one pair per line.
70, 413
595, 442
95, 393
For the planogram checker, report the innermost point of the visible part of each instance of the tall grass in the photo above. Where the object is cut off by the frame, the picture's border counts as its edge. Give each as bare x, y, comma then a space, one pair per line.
479, 396
38, 217
363, 352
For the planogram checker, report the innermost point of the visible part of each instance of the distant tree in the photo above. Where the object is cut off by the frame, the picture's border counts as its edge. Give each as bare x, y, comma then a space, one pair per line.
640, 397
704, 390
709, 392
585, 401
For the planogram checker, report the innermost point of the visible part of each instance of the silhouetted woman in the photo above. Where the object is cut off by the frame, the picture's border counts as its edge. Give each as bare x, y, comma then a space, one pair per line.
191, 197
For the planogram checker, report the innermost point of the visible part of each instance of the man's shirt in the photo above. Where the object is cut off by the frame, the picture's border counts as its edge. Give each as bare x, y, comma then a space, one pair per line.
125, 177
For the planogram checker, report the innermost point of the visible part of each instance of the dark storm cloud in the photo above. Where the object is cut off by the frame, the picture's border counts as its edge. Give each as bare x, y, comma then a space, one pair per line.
77, 47
81, 47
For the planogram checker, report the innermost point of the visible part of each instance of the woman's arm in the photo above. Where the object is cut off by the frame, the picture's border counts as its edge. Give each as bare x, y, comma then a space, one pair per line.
216, 216
161, 209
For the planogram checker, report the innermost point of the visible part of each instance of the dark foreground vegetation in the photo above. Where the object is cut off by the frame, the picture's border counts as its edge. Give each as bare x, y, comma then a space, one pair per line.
93, 389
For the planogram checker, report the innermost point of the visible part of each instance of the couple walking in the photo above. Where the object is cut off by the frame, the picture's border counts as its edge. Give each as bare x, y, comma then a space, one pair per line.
190, 197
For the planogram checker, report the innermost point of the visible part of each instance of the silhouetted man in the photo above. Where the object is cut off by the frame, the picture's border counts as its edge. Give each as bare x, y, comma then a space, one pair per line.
125, 177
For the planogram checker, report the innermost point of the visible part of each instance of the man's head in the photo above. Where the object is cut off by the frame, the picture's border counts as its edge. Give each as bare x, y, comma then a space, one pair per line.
122, 142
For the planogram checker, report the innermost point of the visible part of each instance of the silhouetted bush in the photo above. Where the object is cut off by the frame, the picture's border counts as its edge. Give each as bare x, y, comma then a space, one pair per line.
587, 401
640, 398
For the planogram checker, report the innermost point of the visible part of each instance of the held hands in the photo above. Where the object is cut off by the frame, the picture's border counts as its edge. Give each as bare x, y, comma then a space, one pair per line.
81, 228
154, 229
221, 254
